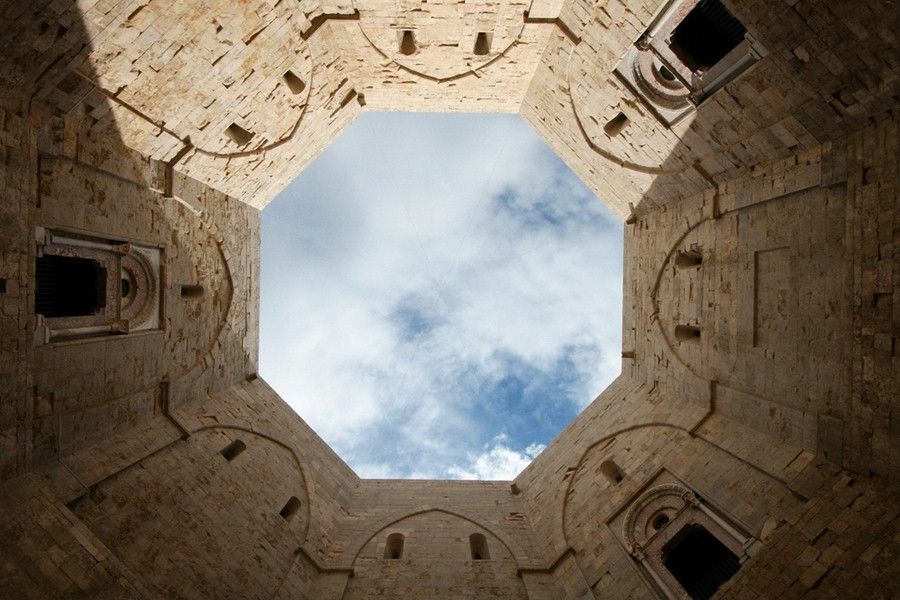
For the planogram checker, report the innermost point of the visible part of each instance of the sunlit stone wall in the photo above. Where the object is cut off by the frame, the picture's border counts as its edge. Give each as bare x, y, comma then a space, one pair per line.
760, 324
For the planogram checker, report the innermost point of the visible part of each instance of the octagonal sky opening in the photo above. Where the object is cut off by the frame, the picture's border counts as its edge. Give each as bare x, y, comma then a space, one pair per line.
440, 295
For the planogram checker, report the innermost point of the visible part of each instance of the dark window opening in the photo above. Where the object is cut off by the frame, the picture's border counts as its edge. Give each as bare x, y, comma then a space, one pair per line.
688, 258
612, 471
687, 333
294, 83
706, 35
231, 451
238, 134
68, 286
616, 125
665, 73
482, 44
479, 547
393, 549
191, 291
126, 287
290, 508
660, 521
2, 286
699, 561
408, 42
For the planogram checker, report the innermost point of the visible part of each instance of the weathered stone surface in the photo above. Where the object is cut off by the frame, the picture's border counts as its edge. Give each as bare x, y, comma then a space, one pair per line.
764, 377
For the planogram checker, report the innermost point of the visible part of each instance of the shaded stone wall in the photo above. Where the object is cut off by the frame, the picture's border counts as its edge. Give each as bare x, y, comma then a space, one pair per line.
118, 122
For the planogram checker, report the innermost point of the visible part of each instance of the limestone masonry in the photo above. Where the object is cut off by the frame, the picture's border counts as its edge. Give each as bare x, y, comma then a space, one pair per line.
749, 449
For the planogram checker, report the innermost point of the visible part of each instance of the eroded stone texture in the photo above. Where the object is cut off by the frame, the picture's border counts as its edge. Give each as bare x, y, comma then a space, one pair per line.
760, 326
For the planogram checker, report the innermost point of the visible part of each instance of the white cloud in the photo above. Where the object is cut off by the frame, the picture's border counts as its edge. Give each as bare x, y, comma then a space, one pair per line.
497, 462
415, 264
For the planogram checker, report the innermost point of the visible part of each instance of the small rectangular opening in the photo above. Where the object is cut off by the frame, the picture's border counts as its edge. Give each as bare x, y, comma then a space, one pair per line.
290, 508
294, 83
191, 291
238, 134
687, 333
69, 286
706, 35
232, 450
616, 125
2, 286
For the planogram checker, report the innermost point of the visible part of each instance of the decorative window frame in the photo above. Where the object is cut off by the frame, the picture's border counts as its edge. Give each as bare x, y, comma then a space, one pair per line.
666, 494
138, 310
670, 88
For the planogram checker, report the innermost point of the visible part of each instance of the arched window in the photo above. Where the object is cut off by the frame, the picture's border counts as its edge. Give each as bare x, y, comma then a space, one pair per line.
238, 134
611, 471
393, 549
408, 42
482, 43
231, 451
615, 125
699, 561
294, 83
687, 333
479, 547
290, 508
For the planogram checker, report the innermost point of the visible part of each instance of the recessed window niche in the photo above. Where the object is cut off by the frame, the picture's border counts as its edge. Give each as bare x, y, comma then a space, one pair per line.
482, 43
87, 286
478, 547
611, 471
687, 259
699, 561
686, 547
690, 50
238, 134
393, 548
687, 333
407, 42
232, 450
294, 83
290, 508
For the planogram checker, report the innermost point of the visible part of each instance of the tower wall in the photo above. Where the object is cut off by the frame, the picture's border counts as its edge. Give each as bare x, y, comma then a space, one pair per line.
761, 381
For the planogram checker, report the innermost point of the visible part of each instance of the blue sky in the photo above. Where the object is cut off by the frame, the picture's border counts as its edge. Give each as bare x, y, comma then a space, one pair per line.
440, 295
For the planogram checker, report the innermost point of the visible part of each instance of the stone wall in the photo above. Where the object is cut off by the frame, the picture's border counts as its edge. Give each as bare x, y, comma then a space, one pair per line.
763, 378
